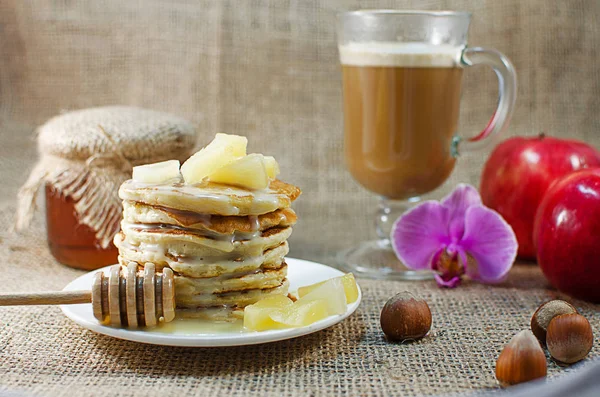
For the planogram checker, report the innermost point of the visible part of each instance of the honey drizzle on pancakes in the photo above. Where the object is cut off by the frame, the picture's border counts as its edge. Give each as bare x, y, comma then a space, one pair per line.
211, 198
185, 217
162, 228
226, 245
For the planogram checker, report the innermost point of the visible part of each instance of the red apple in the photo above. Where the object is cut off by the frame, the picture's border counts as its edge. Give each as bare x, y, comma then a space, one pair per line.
518, 173
567, 234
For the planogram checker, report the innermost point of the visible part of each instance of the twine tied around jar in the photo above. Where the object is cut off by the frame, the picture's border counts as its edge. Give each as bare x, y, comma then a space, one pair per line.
82, 160
93, 184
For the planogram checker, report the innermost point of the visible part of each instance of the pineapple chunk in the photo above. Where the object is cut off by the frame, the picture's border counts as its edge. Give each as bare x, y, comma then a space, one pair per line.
348, 281
332, 292
301, 313
223, 150
157, 172
272, 167
322, 300
257, 316
248, 172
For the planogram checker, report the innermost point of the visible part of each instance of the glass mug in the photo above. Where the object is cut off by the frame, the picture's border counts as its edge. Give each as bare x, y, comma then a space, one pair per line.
402, 73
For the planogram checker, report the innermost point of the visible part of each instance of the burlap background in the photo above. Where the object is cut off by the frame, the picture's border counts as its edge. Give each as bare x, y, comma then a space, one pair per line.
269, 70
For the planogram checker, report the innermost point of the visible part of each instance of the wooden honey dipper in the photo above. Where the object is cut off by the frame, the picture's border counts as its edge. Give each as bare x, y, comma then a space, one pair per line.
124, 298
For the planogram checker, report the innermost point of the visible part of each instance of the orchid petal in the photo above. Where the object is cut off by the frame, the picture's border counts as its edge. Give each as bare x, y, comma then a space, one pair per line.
491, 242
419, 234
457, 202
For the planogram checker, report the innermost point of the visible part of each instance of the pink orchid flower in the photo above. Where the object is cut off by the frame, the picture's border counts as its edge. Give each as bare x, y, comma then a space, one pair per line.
456, 236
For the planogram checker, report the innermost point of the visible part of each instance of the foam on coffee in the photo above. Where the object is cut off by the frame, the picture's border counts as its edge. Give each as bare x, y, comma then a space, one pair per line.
400, 54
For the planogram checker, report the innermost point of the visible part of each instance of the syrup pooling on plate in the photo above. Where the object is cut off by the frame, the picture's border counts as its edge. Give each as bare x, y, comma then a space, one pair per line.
195, 326
219, 320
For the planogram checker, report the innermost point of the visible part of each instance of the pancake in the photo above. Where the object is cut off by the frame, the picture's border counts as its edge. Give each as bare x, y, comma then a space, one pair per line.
135, 212
228, 299
184, 243
202, 267
211, 198
259, 279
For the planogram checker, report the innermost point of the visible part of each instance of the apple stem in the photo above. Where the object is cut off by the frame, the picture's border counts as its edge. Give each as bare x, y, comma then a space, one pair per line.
542, 135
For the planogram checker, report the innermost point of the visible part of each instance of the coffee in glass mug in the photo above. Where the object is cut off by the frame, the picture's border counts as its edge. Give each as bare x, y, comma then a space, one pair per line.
401, 105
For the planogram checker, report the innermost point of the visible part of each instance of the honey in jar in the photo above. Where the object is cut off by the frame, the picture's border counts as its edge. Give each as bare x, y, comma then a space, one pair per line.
70, 242
85, 155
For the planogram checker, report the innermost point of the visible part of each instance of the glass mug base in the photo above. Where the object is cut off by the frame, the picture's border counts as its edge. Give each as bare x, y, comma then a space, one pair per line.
376, 260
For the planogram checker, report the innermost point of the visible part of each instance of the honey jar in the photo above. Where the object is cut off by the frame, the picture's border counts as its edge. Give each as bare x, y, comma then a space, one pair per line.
85, 156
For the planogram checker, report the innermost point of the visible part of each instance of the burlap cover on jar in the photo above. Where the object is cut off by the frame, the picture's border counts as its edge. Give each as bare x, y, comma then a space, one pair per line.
87, 154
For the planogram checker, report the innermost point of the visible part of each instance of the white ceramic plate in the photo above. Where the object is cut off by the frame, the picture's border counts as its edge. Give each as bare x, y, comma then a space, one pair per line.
203, 333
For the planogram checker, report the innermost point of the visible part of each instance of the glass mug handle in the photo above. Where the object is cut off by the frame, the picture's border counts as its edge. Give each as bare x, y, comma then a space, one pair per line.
507, 94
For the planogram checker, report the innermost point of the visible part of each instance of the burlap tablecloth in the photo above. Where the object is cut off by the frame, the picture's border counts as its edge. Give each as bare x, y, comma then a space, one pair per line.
44, 353
269, 70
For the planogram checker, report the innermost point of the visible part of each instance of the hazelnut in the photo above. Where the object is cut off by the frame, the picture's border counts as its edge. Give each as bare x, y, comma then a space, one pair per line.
569, 338
405, 317
546, 312
521, 360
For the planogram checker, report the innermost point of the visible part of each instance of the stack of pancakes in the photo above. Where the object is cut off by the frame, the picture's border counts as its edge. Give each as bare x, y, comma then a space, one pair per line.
226, 245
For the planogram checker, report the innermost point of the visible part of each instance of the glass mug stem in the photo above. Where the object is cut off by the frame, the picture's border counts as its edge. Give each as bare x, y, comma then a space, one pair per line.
387, 213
